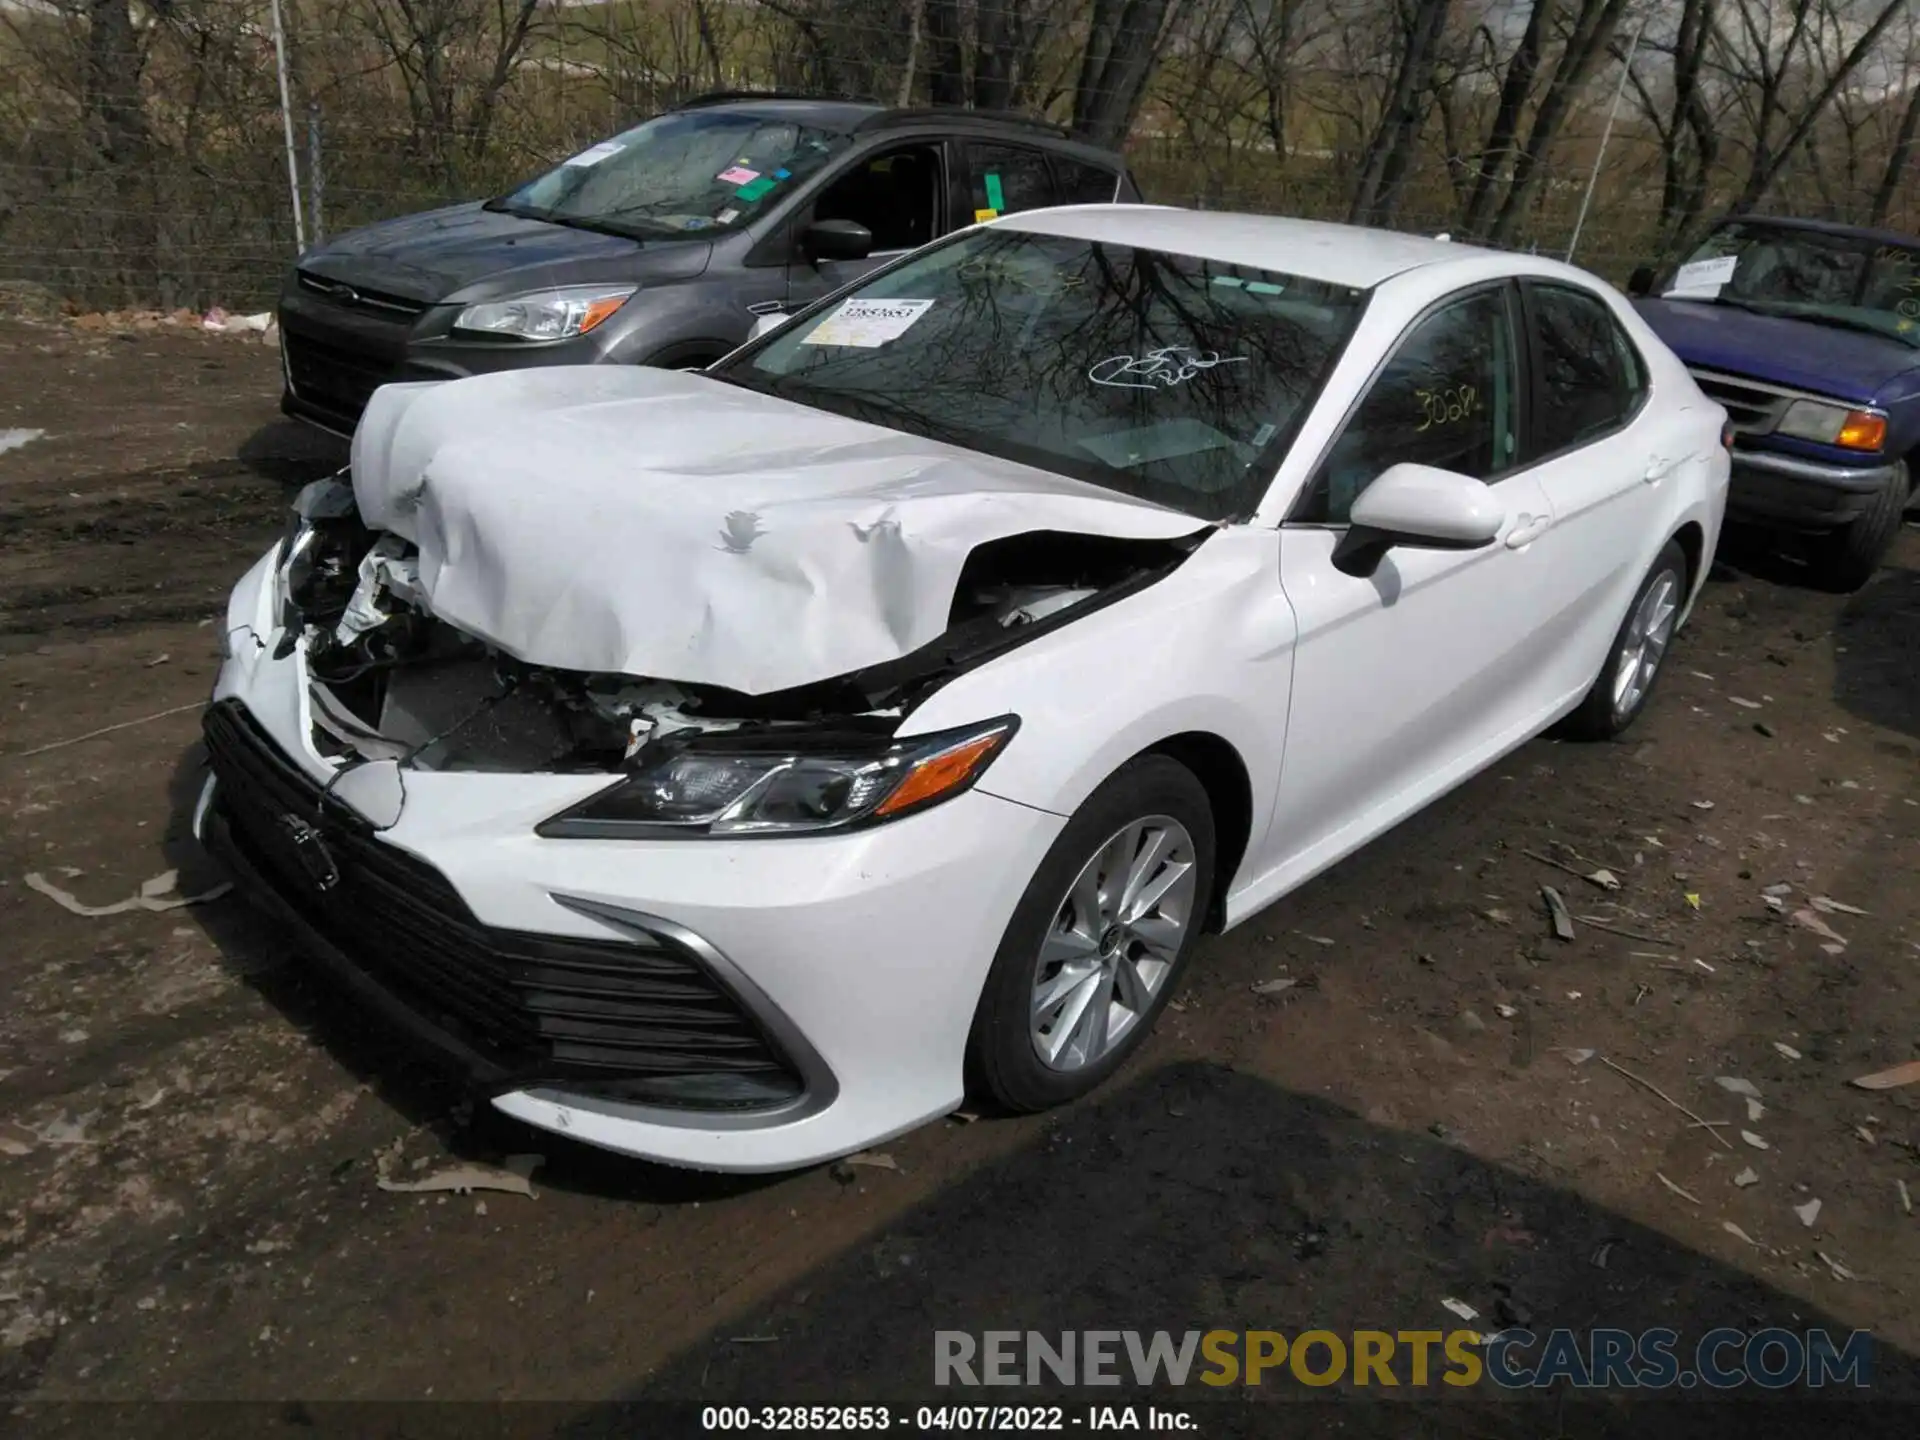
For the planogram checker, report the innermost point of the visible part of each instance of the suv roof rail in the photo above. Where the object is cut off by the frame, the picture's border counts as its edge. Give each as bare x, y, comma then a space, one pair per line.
962, 112
723, 97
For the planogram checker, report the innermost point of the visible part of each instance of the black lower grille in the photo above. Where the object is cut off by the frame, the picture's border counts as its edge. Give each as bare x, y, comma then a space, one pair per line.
646, 1017
332, 377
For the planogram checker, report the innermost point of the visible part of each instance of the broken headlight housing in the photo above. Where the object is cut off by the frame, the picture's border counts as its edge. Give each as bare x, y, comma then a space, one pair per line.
734, 787
312, 562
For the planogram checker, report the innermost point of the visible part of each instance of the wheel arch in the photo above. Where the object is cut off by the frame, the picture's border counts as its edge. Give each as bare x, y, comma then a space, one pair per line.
1692, 539
1222, 773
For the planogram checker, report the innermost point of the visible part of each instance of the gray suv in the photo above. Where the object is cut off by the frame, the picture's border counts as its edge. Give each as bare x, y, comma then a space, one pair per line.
662, 245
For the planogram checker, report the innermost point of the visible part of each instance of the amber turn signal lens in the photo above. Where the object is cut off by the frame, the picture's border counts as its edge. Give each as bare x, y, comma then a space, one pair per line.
599, 310
1862, 431
937, 774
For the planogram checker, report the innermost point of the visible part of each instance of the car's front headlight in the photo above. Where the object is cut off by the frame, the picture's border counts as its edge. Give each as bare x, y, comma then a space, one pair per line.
730, 787
1833, 425
547, 314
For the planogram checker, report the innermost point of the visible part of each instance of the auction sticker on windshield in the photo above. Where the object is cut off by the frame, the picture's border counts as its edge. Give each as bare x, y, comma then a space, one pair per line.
868, 323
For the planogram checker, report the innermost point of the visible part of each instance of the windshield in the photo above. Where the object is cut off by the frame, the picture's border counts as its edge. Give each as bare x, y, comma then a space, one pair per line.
1808, 274
1176, 380
695, 170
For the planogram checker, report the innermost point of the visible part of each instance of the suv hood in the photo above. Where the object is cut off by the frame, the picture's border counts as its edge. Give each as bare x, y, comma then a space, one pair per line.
434, 256
662, 524
1849, 365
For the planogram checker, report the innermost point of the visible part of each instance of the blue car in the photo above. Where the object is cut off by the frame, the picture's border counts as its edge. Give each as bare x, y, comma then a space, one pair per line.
1809, 334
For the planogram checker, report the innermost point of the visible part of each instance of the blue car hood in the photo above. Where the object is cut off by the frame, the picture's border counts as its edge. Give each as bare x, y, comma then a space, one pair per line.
1846, 364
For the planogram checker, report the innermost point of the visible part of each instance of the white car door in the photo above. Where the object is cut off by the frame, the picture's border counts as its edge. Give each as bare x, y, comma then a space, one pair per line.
1408, 680
1610, 458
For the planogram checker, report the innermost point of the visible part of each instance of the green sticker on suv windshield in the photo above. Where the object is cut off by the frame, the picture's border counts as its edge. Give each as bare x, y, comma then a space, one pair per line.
995, 200
754, 189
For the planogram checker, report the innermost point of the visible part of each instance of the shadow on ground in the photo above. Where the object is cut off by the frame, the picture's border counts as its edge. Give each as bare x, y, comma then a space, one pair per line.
1877, 654
1198, 1198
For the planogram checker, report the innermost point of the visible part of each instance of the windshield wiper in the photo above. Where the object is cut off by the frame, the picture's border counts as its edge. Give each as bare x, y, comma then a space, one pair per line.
571, 222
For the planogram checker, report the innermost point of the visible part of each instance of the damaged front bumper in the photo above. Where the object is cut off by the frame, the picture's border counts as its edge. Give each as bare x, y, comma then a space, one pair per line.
732, 1005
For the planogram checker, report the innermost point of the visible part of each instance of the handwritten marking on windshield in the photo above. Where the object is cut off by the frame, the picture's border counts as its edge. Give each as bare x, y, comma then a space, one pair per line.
1158, 369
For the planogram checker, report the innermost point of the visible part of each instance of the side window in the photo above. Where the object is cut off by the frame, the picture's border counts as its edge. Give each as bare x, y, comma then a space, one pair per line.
1007, 178
896, 195
1079, 183
1590, 377
1447, 398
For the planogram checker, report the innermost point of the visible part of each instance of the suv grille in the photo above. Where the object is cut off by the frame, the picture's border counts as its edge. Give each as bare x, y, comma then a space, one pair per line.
1753, 409
357, 297
330, 377
645, 1014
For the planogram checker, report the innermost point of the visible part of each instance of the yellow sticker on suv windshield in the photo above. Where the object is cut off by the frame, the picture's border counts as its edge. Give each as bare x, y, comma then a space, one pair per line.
980, 217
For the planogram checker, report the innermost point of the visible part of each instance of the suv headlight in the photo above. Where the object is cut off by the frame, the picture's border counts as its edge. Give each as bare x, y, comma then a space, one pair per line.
730, 787
1833, 425
546, 314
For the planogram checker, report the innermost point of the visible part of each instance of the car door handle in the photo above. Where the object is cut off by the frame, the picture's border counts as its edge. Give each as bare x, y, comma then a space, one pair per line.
1658, 470
1527, 529
767, 307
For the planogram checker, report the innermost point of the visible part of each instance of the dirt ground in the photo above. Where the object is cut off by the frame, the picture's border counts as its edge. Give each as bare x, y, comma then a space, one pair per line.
189, 1127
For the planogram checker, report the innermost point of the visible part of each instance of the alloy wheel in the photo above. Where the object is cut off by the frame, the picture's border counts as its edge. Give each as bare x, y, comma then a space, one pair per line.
1644, 645
1114, 940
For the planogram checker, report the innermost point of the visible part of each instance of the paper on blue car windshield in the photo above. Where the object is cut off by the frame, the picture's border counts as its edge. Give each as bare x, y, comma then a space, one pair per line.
1702, 279
868, 323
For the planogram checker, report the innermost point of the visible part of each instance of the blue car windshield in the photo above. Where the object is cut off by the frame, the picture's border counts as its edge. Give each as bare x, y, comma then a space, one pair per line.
693, 171
1849, 280
1174, 379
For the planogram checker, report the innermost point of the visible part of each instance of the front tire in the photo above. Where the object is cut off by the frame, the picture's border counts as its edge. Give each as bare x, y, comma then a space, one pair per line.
1099, 939
1846, 559
1638, 654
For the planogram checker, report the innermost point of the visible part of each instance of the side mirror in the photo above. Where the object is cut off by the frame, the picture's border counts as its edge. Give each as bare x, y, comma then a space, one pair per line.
1640, 283
836, 240
766, 325
1421, 507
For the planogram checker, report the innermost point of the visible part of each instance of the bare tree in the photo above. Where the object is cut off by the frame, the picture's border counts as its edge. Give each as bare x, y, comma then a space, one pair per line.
1125, 39
1390, 151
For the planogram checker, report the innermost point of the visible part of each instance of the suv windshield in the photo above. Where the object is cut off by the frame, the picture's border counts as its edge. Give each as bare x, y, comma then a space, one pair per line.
694, 170
1176, 380
1808, 274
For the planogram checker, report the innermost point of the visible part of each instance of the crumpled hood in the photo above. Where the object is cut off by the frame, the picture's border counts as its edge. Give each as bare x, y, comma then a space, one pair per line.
661, 524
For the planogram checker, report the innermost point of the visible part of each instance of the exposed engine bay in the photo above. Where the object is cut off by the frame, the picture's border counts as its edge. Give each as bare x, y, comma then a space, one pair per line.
391, 682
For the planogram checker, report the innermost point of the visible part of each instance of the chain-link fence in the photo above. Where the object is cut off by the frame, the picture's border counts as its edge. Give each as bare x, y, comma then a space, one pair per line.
144, 156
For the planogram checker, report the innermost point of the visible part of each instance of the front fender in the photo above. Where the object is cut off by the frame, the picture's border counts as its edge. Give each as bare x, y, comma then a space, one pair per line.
1207, 649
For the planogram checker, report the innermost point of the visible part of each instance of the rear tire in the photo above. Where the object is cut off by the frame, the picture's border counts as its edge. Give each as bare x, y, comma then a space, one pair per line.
1099, 940
1847, 559
1638, 654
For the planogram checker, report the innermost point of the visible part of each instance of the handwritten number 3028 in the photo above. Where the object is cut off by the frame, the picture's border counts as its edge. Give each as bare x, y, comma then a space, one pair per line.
1447, 406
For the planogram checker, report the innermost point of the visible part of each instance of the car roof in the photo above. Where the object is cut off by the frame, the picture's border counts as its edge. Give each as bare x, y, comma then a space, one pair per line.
1828, 227
861, 117
1313, 249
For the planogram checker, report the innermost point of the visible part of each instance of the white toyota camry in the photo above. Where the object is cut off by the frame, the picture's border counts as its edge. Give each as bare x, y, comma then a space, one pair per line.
736, 768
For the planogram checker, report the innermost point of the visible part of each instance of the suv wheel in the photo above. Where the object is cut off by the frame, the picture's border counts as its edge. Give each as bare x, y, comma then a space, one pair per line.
1846, 559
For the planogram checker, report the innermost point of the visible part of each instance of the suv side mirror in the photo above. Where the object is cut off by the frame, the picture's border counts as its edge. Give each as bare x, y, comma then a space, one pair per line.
1418, 506
1640, 283
836, 240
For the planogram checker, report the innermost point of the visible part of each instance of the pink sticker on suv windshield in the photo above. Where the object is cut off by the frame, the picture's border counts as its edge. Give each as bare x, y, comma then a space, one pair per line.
738, 175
